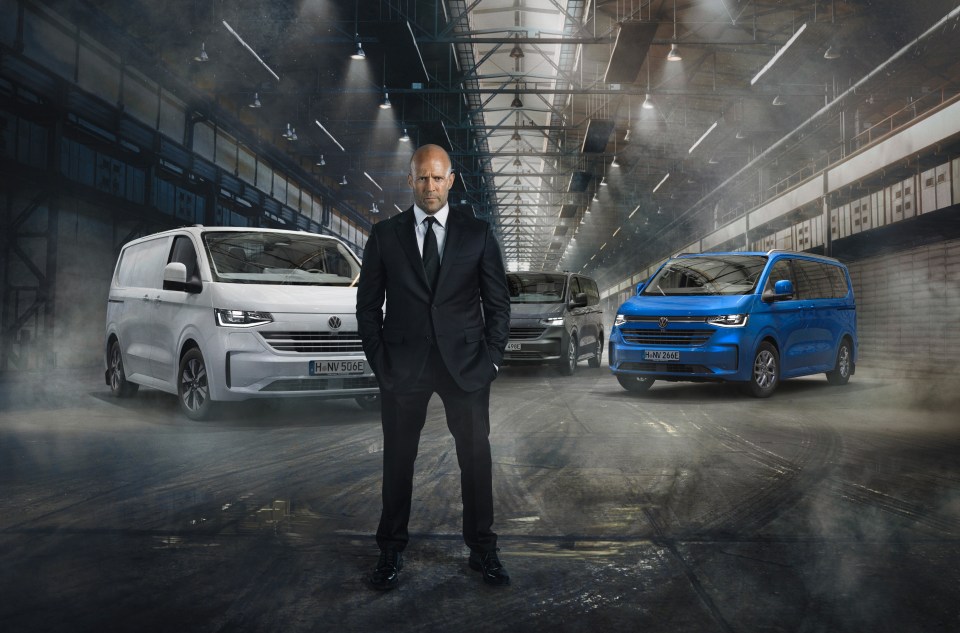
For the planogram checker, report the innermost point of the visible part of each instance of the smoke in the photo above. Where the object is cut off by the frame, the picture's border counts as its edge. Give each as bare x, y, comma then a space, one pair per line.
908, 312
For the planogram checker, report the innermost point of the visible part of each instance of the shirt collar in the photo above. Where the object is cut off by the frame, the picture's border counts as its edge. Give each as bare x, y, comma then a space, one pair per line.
440, 215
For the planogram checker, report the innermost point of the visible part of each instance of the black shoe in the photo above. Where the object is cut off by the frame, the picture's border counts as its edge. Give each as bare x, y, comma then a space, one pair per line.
387, 573
494, 573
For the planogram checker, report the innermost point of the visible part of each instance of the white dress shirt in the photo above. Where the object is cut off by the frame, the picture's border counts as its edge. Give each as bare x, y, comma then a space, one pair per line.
439, 229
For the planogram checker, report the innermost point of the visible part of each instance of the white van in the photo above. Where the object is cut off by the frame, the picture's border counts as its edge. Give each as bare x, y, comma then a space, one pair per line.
223, 313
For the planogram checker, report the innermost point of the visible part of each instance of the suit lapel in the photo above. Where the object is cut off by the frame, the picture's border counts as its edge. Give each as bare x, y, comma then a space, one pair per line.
407, 237
451, 244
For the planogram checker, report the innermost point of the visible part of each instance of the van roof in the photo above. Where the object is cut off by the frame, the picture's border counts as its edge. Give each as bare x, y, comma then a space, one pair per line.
772, 252
199, 229
546, 272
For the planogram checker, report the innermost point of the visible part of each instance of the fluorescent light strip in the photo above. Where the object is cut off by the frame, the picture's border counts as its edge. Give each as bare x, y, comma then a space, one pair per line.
398, 208
330, 135
637, 208
700, 140
416, 46
370, 178
778, 54
615, 232
252, 52
662, 180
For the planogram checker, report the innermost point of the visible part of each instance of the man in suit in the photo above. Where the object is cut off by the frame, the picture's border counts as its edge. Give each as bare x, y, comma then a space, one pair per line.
443, 330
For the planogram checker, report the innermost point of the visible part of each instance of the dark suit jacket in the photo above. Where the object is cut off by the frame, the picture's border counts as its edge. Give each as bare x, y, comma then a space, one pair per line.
468, 315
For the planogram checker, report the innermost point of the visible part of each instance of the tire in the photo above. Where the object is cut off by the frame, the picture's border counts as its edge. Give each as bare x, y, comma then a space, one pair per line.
636, 384
369, 402
765, 371
119, 386
568, 364
840, 375
597, 355
193, 387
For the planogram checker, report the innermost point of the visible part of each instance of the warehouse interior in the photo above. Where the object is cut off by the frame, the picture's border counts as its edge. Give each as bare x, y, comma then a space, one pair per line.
821, 126
595, 136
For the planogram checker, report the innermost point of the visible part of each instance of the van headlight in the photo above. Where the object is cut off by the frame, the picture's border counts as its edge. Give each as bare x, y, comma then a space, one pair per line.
242, 318
552, 321
620, 320
728, 320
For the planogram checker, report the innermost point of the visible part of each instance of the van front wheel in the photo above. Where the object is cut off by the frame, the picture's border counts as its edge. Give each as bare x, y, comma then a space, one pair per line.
765, 373
840, 374
568, 364
597, 354
193, 386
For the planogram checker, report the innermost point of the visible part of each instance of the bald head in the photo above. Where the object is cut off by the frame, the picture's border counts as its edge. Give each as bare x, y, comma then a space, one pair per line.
431, 176
430, 153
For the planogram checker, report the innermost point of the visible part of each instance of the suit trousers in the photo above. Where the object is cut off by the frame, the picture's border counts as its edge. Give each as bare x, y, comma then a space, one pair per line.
468, 418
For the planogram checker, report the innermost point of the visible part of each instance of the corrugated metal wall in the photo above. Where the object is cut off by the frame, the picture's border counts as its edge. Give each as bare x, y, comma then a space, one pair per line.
908, 306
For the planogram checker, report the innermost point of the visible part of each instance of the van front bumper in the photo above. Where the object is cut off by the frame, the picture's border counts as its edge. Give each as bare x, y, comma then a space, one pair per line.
252, 369
717, 359
535, 344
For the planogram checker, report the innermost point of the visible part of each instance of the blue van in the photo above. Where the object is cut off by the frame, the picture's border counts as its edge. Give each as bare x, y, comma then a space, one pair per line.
748, 317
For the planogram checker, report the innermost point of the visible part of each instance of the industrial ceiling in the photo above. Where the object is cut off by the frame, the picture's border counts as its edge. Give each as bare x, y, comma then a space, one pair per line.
589, 133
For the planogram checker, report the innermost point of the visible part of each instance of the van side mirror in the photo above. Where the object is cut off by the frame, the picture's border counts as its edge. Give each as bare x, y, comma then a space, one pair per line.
175, 278
640, 287
579, 300
782, 289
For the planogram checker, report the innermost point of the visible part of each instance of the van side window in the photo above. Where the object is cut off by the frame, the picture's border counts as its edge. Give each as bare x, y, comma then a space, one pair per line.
593, 294
839, 282
814, 280
781, 270
141, 265
184, 253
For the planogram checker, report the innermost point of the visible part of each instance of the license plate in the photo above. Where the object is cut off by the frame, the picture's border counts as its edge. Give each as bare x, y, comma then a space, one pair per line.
661, 354
337, 367
513, 347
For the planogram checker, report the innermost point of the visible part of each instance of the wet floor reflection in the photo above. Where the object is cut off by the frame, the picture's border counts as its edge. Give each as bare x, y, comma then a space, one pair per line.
690, 509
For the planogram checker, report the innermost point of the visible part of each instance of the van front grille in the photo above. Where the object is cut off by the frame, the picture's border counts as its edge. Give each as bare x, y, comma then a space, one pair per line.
322, 384
526, 333
313, 342
676, 337
521, 355
655, 319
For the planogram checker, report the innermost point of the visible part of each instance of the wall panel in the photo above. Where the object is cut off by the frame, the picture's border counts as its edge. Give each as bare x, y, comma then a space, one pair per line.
98, 71
907, 307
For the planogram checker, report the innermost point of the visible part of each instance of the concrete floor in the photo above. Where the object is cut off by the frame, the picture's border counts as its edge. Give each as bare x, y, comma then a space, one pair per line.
690, 508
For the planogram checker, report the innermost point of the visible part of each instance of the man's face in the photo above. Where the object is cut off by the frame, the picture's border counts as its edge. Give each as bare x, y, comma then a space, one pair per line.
431, 181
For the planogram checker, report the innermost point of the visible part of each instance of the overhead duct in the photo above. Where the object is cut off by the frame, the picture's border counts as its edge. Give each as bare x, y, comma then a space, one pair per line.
578, 182
597, 136
629, 51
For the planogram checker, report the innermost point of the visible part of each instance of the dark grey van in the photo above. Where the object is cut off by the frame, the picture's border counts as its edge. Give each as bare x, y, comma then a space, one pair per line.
554, 318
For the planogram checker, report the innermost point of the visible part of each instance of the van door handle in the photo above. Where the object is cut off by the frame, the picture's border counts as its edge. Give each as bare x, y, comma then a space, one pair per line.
145, 298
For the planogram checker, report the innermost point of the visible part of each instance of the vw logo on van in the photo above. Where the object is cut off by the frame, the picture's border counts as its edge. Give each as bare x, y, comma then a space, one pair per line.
662, 321
334, 323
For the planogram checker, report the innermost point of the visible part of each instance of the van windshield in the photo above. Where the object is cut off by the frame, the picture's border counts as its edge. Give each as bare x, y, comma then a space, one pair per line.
259, 257
708, 275
536, 287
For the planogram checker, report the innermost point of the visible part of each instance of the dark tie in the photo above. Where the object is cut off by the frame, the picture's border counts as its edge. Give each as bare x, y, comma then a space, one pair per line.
431, 254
